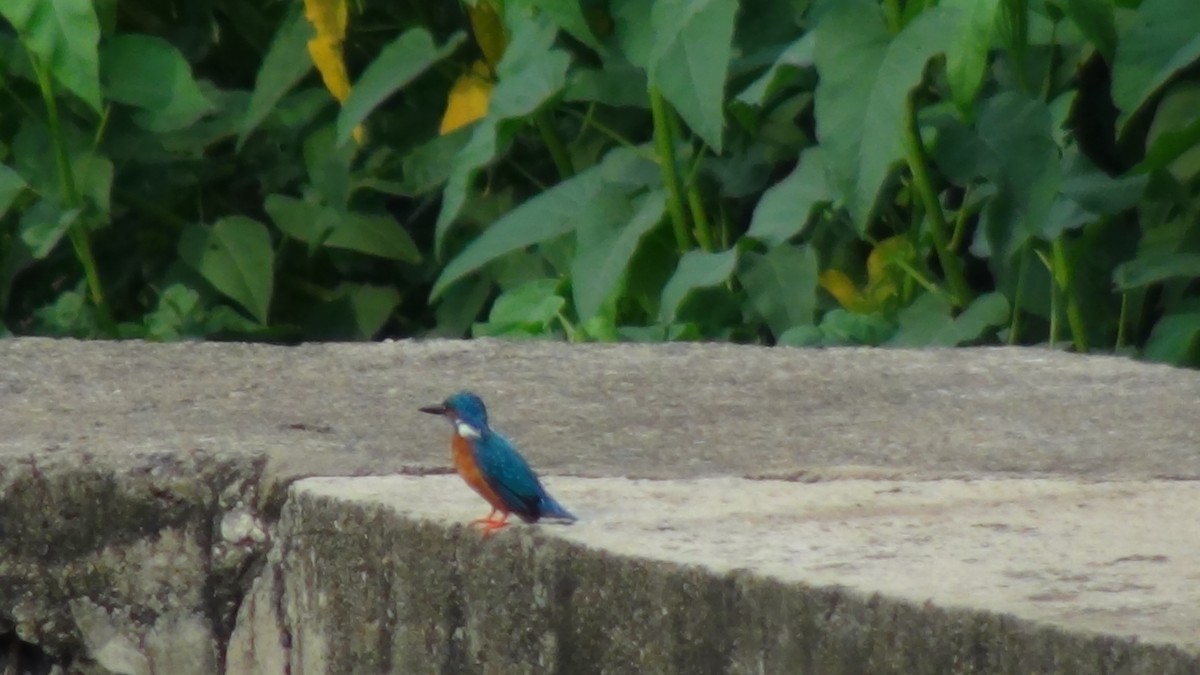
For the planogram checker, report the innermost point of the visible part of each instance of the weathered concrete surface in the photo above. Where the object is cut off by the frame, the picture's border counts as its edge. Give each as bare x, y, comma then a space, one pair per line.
737, 576
138, 570
140, 483
678, 410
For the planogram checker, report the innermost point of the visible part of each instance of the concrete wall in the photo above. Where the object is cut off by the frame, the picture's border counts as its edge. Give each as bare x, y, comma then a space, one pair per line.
743, 510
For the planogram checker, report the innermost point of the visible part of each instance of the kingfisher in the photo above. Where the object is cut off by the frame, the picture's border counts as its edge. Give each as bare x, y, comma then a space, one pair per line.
491, 465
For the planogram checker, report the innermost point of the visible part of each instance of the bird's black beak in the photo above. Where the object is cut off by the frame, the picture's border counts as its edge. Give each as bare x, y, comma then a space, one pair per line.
434, 409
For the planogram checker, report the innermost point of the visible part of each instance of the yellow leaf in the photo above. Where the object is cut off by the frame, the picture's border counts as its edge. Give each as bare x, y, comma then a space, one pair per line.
842, 289
468, 100
884, 273
327, 57
489, 31
878, 295
329, 19
885, 254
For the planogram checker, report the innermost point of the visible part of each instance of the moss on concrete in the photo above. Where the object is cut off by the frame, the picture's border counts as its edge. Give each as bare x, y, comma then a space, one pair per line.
105, 569
367, 589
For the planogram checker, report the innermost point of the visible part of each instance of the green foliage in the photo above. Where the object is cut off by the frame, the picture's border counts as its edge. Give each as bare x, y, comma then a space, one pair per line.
804, 173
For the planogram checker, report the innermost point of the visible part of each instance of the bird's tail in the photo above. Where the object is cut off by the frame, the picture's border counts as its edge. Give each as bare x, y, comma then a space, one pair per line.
554, 510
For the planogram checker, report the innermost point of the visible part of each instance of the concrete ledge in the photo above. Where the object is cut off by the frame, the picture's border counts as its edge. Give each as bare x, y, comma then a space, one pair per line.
1002, 510
734, 576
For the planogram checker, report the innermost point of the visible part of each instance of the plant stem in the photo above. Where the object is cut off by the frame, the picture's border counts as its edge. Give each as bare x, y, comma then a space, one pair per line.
1053, 297
960, 221
554, 143
541, 187
589, 120
1062, 277
891, 12
915, 276
77, 231
586, 120
1121, 337
664, 141
703, 228
1014, 328
695, 202
1016, 16
1048, 81
568, 327
923, 183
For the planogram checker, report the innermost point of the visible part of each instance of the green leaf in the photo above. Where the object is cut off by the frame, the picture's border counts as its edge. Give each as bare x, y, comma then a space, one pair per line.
797, 55
1163, 39
177, 314
608, 236
536, 302
224, 320
801, 336
428, 165
697, 269
1087, 194
69, 315
634, 29
618, 84
554, 212
967, 54
1095, 190
94, 179
304, 221
1175, 339
43, 226
1145, 270
987, 311
150, 74
399, 63
862, 97
357, 312
782, 285
568, 14
374, 235
1173, 140
235, 256
928, 321
528, 310
690, 60
840, 327
1016, 130
63, 35
642, 333
286, 62
317, 225
1097, 22
959, 153
530, 73
460, 306
786, 207
11, 186
478, 151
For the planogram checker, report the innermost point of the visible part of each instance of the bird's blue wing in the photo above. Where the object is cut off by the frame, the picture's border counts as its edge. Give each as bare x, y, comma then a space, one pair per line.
507, 472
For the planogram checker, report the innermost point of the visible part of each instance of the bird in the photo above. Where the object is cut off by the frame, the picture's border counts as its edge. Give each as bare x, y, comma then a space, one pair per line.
491, 465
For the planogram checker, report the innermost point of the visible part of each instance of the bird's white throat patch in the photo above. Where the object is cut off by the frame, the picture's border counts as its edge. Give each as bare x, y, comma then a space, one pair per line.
466, 430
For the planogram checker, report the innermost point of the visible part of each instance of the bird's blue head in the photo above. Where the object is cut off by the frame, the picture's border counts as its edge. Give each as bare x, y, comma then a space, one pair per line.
465, 410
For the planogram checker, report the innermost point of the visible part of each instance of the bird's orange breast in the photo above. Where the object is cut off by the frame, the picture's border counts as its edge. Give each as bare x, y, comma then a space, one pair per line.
464, 463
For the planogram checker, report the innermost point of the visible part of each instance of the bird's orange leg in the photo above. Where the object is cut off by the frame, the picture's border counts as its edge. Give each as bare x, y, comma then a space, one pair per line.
491, 518
489, 527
